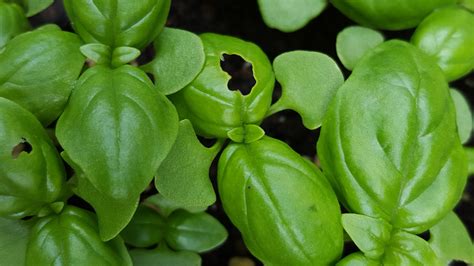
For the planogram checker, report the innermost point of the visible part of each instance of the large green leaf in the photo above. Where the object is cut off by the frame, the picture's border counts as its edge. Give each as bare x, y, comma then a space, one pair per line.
116, 131
32, 175
450, 240
389, 143
179, 57
39, 69
210, 105
118, 22
12, 22
183, 176
354, 42
283, 206
72, 238
14, 235
197, 232
309, 81
163, 256
389, 15
290, 15
447, 34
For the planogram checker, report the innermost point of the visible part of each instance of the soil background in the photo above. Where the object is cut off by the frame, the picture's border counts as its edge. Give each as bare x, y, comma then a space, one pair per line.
241, 18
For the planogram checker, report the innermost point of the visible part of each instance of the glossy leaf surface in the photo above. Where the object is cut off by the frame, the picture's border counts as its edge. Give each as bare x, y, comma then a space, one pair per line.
32, 175
179, 57
183, 177
389, 143
14, 237
208, 103
197, 232
388, 15
12, 22
290, 15
37, 77
33, 7
354, 42
357, 259
283, 206
147, 228
463, 115
165, 206
164, 256
118, 22
309, 81
450, 240
72, 238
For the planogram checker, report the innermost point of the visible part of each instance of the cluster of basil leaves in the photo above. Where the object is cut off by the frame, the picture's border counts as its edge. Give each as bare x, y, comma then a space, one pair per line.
389, 146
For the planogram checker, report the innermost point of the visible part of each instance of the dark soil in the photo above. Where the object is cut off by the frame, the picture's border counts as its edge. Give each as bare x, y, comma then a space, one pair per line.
242, 19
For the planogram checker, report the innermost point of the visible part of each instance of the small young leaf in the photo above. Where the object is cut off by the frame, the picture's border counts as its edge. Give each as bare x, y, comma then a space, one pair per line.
32, 174
13, 21
450, 240
183, 177
309, 82
163, 256
407, 249
97, 52
14, 235
197, 232
290, 15
72, 238
146, 228
463, 115
165, 206
354, 42
246, 134
179, 57
123, 55
357, 259
38, 77
369, 234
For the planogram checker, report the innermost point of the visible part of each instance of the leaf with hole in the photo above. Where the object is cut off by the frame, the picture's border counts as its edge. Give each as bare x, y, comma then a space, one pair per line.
207, 101
463, 115
118, 22
179, 57
447, 34
164, 256
198, 232
116, 130
183, 177
13, 21
309, 81
354, 42
389, 144
37, 77
32, 173
282, 204
451, 241
290, 15
14, 235
72, 238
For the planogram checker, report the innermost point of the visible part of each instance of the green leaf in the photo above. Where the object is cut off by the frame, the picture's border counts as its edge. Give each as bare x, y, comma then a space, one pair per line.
146, 228
309, 81
165, 206
463, 115
208, 103
118, 22
164, 256
116, 130
389, 144
450, 240
354, 42
183, 177
290, 15
389, 15
14, 237
97, 52
447, 34
123, 55
357, 259
470, 159
179, 57
246, 134
72, 238
197, 232
32, 173
33, 7
283, 205
37, 77
469, 4
407, 249
13, 22
369, 234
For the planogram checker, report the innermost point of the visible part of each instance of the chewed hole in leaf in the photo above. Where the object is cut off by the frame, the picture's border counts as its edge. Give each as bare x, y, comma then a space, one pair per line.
241, 73
23, 146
